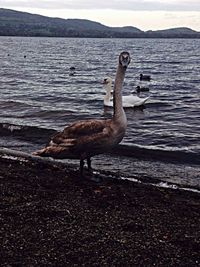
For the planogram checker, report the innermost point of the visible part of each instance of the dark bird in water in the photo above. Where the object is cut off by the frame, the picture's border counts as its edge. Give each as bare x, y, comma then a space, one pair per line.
145, 77
141, 89
72, 71
87, 138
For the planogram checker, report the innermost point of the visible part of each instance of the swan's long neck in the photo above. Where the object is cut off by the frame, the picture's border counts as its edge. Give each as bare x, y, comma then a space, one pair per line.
119, 114
107, 96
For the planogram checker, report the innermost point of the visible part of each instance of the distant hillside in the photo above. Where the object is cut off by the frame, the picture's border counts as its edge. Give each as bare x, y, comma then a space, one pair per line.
16, 23
174, 33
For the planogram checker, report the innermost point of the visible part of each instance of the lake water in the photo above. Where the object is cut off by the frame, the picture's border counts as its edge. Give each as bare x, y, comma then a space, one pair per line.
38, 96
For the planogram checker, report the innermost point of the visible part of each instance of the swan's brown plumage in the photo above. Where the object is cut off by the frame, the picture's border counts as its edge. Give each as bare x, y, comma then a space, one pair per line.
81, 140
84, 139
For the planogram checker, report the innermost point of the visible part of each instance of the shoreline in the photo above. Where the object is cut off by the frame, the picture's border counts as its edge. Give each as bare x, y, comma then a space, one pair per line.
143, 170
51, 217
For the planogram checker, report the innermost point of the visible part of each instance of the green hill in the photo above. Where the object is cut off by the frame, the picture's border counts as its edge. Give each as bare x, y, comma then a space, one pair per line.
175, 33
16, 23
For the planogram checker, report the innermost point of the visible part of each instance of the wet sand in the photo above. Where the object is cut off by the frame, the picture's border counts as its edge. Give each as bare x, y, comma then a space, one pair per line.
51, 217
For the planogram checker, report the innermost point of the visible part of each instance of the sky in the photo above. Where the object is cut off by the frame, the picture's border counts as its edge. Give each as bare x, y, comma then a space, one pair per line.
143, 14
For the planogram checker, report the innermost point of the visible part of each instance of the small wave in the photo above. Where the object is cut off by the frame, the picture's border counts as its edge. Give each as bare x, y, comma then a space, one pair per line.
89, 82
13, 104
163, 184
29, 133
157, 103
173, 62
195, 81
157, 154
51, 114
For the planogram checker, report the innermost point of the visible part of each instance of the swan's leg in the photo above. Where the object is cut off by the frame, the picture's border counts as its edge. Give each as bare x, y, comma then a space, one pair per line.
89, 164
93, 177
81, 166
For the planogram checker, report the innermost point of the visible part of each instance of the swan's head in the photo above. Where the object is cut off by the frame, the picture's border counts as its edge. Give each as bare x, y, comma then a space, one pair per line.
107, 80
108, 85
124, 59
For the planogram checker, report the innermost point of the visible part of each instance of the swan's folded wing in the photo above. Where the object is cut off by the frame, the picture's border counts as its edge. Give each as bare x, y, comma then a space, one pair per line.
79, 130
95, 143
84, 146
133, 100
89, 144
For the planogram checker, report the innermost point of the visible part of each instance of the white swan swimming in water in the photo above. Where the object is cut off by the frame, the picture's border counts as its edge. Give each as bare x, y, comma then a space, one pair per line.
128, 101
84, 139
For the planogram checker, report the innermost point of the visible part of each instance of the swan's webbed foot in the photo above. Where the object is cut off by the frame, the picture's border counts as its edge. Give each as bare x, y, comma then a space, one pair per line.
88, 173
82, 163
83, 171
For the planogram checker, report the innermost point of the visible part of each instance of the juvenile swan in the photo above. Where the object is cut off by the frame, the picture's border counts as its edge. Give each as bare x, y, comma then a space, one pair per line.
129, 101
86, 138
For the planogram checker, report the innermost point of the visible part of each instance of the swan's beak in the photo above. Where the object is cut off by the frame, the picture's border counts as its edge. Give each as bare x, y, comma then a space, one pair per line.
125, 63
105, 81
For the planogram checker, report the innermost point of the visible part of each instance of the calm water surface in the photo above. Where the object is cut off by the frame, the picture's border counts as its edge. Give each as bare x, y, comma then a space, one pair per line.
37, 91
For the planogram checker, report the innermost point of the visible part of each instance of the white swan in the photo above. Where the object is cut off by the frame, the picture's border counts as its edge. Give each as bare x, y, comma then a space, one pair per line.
128, 101
87, 138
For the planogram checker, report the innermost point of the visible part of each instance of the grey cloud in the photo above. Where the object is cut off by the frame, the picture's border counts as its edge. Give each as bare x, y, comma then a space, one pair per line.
131, 5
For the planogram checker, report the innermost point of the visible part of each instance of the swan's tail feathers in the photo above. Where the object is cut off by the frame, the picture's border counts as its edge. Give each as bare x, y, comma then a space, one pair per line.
41, 153
58, 151
141, 102
145, 99
51, 151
